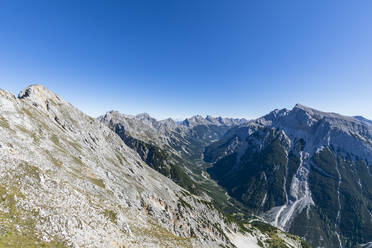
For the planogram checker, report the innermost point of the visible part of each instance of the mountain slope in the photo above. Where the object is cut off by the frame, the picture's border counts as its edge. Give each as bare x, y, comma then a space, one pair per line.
362, 119
304, 171
176, 149
67, 180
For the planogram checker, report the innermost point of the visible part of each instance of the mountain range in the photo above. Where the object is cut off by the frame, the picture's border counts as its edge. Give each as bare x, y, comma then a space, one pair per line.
302, 170
68, 180
292, 178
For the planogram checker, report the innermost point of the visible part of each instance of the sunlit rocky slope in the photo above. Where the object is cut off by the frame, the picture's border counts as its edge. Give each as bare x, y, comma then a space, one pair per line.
67, 180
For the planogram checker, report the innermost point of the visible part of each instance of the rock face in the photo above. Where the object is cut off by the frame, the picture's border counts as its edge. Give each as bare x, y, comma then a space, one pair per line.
67, 180
304, 171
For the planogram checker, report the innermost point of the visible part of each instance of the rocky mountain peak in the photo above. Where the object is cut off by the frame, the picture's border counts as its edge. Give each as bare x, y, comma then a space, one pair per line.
311, 114
302, 117
318, 115
36, 90
169, 123
197, 118
210, 120
363, 119
320, 128
303, 107
144, 116
113, 114
192, 121
40, 96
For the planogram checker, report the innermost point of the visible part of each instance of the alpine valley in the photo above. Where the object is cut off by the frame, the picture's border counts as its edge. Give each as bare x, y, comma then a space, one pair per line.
293, 178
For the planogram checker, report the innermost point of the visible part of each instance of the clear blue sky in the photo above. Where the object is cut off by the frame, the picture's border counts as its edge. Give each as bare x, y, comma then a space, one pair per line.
174, 58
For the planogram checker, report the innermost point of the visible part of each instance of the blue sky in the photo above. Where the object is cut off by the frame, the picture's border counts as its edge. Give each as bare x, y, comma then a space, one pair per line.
174, 58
